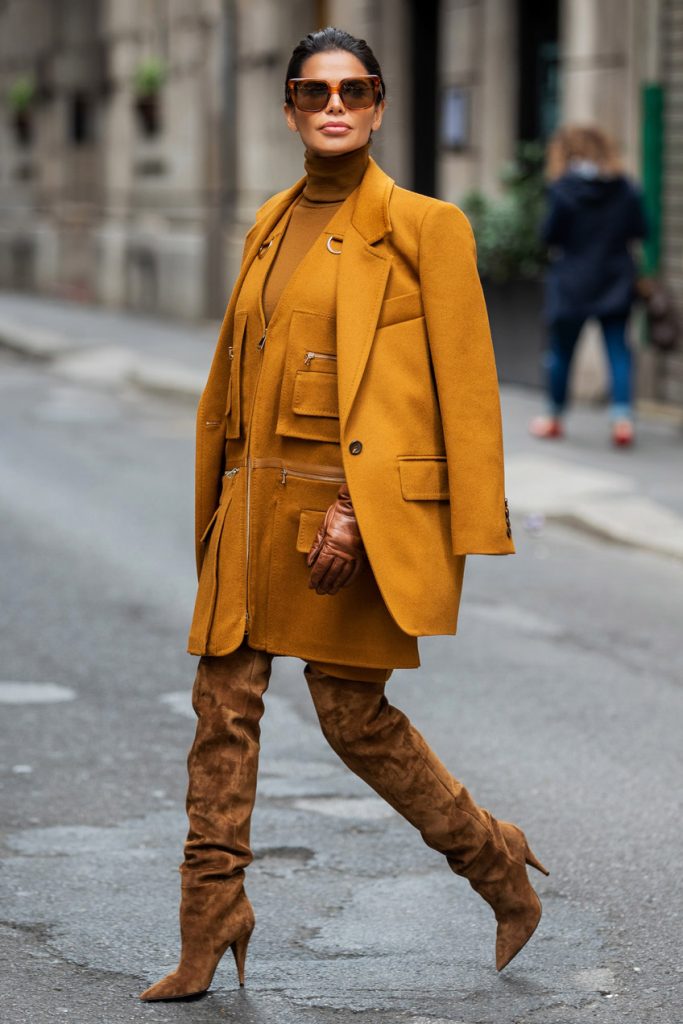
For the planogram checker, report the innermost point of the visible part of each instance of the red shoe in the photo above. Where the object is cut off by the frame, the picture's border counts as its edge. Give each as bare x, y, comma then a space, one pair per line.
622, 433
546, 426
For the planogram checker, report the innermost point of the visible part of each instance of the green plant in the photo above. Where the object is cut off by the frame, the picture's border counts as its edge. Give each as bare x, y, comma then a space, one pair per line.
150, 75
21, 93
506, 228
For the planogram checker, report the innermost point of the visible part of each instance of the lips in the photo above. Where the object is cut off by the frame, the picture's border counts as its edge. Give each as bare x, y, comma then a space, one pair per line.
335, 128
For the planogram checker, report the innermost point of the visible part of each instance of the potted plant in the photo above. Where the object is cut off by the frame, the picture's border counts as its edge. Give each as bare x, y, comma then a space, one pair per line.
149, 78
511, 258
21, 97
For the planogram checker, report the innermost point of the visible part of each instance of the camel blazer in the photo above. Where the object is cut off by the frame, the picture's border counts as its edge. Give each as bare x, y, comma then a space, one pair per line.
419, 413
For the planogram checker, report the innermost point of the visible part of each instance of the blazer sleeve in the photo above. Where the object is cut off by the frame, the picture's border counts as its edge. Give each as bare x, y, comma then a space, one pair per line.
466, 382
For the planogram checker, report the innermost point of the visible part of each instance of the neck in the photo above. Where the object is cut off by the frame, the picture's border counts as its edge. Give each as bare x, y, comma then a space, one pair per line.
332, 178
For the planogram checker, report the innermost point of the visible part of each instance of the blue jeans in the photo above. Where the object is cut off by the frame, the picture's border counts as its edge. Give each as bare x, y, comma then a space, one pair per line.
562, 337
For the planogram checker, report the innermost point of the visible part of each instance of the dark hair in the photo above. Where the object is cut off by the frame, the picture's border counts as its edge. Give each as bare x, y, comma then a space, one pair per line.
330, 38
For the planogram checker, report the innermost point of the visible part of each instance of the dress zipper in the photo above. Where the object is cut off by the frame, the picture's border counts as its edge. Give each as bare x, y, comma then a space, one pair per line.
285, 472
310, 356
246, 594
260, 346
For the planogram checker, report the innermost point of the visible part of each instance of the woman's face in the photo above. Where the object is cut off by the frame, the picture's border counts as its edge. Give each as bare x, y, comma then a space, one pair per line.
332, 66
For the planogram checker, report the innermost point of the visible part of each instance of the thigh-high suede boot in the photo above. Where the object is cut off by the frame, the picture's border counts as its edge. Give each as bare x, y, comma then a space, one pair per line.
222, 765
378, 742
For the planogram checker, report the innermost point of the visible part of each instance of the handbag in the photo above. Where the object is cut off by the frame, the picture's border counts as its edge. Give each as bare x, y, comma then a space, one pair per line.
663, 324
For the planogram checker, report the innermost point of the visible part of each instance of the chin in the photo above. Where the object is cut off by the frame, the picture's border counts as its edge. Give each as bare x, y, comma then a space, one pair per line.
326, 146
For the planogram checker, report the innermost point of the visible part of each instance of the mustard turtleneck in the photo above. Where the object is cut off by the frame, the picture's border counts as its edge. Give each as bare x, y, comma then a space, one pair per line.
330, 180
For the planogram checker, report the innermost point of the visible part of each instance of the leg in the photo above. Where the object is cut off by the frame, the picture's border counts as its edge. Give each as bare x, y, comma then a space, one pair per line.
378, 742
562, 337
621, 369
222, 764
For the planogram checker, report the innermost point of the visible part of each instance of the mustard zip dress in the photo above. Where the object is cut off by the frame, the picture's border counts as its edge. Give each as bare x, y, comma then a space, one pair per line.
283, 468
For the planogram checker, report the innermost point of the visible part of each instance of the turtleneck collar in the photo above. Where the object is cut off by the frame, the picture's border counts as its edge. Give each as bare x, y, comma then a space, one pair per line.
331, 178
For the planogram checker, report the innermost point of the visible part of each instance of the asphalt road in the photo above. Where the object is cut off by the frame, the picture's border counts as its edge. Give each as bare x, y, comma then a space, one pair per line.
558, 704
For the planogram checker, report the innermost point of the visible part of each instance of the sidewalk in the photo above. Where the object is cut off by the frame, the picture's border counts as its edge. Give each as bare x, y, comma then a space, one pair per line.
633, 497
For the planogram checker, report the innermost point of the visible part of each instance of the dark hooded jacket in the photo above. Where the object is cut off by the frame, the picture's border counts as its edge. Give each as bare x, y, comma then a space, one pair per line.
588, 225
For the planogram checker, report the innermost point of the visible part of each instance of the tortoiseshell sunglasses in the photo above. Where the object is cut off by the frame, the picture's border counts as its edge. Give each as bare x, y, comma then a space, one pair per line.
313, 94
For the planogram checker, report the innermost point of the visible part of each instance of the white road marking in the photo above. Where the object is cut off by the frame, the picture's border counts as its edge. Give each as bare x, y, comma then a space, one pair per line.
34, 693
180, 702
368, 808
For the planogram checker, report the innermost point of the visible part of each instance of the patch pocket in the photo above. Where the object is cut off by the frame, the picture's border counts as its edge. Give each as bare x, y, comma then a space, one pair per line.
232, 402
309, 402
424, 478
310, 522
315, 394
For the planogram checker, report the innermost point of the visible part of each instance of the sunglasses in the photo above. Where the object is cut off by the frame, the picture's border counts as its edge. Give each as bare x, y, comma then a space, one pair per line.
313, 94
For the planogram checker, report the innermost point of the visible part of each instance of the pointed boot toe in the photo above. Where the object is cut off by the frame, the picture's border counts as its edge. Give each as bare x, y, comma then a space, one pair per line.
515, 929
176, 985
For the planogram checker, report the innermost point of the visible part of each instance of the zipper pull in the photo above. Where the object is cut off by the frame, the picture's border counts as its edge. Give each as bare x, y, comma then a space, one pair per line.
310, 356
232, 472
231, 354
283, 476
263, 339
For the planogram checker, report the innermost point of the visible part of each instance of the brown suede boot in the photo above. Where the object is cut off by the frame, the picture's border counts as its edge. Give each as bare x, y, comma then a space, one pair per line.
222, 764
378, 742
498, 874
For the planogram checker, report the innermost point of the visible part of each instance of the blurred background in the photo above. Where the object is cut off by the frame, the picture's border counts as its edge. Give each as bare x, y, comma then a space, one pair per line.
139, 137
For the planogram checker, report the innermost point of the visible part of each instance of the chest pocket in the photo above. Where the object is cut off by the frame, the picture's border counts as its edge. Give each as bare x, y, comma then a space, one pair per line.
309, 397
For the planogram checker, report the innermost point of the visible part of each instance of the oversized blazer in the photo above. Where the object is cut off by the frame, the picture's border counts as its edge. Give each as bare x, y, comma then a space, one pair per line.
419, 412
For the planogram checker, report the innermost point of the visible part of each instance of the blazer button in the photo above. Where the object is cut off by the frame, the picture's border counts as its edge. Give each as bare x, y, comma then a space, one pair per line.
356, 447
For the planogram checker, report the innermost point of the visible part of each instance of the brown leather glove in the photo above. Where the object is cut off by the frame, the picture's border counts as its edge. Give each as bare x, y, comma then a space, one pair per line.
337, 554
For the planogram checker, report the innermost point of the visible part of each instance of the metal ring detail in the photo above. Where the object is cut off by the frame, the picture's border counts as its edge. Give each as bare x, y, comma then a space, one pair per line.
334, 238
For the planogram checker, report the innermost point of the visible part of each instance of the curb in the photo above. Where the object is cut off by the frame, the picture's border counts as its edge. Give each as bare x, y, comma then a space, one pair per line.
34, 342
600, 502
608, 507
100, 363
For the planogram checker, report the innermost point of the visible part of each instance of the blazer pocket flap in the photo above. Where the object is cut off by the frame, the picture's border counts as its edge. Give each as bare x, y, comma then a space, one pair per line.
424, 479
400, 308
315, 394
310, 522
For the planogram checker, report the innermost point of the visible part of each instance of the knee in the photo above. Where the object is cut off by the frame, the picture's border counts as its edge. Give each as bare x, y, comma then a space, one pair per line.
348, 710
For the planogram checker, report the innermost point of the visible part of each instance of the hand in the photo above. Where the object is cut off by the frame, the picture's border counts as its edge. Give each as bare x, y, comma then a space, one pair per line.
337, 554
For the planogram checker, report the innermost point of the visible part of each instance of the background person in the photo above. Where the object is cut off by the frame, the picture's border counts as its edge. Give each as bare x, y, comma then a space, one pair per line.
594, 214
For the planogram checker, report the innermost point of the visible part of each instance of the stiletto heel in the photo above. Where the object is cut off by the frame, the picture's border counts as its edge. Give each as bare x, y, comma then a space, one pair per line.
530, 858
239, 951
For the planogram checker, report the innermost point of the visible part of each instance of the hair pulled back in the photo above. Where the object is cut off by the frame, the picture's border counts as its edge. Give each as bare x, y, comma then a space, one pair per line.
324, 40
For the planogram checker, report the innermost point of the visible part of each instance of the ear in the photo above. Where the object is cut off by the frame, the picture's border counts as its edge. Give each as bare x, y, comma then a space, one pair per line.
289, 117
379, 113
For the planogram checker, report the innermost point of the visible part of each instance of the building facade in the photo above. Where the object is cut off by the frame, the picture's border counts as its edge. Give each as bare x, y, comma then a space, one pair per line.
139, 136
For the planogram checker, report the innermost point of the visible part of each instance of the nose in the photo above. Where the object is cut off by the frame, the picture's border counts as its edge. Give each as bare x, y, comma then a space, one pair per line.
334, 104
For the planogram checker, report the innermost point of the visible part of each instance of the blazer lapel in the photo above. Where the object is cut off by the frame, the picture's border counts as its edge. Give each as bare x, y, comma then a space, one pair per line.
219, 374
362, 279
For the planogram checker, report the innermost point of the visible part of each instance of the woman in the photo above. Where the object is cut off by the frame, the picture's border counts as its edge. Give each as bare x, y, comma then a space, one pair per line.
355, 384
594, 213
